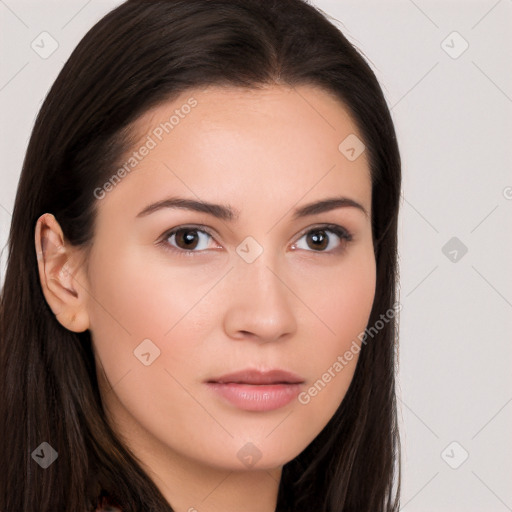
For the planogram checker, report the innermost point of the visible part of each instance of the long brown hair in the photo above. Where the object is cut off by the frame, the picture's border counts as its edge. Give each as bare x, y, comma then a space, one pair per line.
141, 54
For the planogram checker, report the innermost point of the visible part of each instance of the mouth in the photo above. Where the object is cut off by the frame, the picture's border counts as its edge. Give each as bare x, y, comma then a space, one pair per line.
256, 377
254, 390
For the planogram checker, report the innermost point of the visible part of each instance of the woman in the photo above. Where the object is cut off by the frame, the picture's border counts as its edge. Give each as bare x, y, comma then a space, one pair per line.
199, 306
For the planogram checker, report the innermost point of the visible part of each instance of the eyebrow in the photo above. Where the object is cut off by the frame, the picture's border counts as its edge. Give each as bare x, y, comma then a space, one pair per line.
228, 213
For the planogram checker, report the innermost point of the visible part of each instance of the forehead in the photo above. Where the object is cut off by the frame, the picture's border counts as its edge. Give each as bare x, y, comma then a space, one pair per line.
260, 146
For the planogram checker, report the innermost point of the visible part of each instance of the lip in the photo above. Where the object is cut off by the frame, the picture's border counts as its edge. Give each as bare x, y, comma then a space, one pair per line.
254, 390
259, 377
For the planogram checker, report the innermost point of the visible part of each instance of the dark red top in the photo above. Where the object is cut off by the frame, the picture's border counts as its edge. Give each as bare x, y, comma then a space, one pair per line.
106, 506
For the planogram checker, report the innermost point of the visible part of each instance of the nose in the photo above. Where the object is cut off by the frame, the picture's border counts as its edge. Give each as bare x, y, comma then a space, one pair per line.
259, 303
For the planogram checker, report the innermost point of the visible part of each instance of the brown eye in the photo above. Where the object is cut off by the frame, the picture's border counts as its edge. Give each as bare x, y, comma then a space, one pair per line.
317, 240
188, 240
330, 238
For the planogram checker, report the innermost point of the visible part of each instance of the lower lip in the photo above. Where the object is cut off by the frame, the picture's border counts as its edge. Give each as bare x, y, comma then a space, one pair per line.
252, 397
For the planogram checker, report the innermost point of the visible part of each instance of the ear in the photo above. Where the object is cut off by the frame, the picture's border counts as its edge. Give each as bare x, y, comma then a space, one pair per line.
60, 275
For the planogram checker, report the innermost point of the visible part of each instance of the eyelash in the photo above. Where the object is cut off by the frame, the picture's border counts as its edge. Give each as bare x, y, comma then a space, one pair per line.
341, 232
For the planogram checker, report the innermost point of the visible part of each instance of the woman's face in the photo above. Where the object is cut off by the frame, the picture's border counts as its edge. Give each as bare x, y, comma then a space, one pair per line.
265, 285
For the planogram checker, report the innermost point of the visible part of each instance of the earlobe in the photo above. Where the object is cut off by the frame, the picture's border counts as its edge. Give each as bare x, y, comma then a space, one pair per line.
58, 267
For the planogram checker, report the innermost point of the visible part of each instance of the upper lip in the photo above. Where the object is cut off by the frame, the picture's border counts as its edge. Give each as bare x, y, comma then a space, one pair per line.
252, 376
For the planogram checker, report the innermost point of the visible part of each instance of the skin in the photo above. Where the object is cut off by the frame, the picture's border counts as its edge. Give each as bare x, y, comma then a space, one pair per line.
265, 153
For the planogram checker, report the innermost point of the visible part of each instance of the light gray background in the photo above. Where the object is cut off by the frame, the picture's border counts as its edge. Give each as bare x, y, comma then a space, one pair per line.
453, 114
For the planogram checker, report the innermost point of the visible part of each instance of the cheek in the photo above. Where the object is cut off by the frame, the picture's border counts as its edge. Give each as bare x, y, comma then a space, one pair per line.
349, 301
144, 298
129, 304
341, 297
344, 308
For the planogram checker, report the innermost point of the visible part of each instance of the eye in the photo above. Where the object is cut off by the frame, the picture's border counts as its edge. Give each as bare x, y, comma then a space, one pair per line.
186, 240
319, 239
